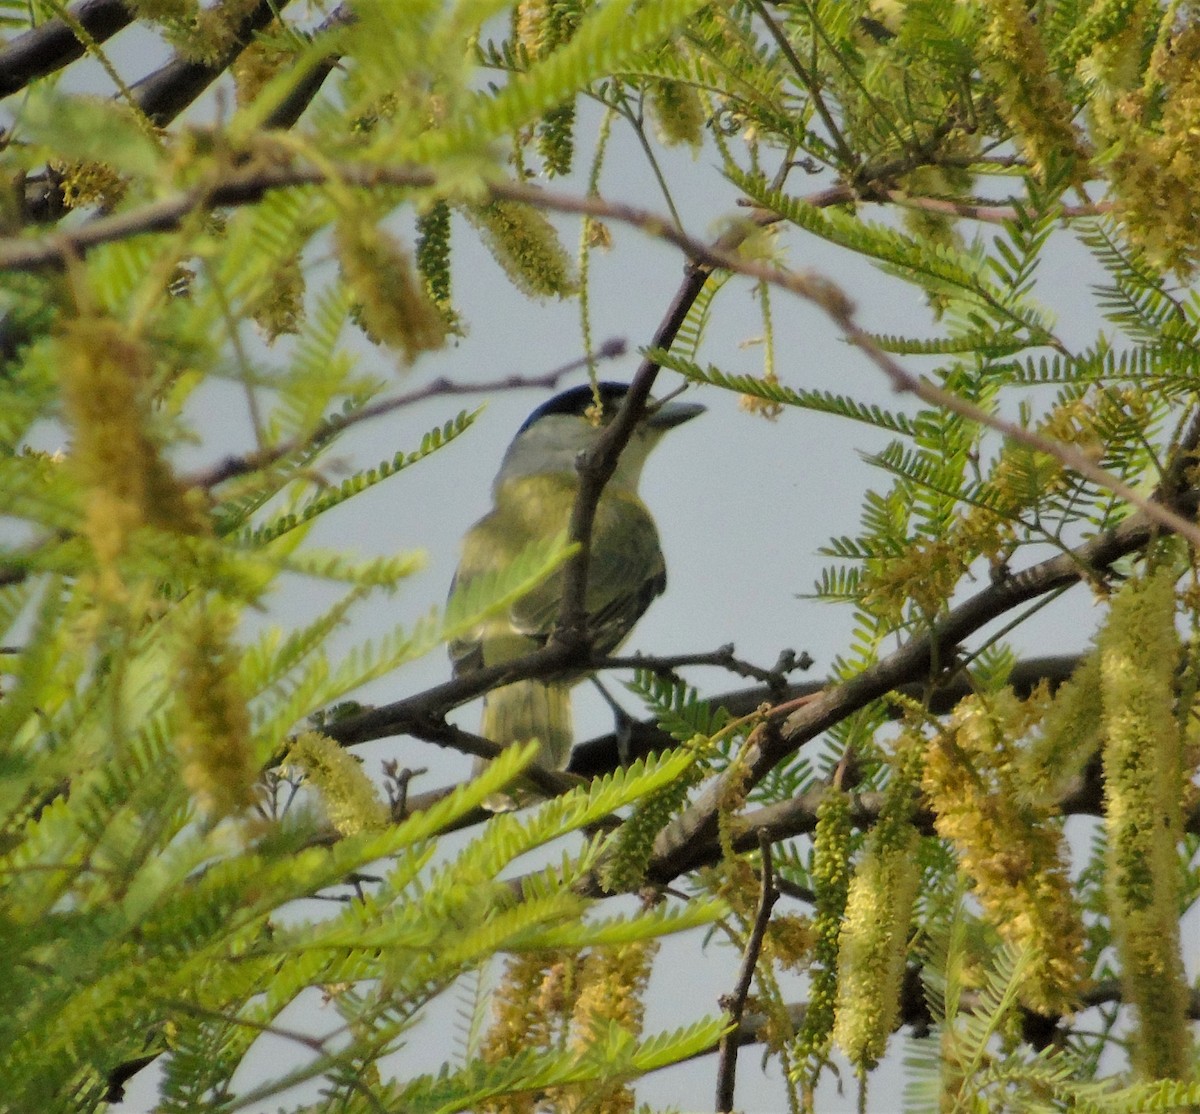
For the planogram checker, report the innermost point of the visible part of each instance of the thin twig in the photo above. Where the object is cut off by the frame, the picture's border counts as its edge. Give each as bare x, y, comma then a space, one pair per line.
233, 466
736, 1004
795, 891
721, 658
434, 730
246, 186
844, 150
984, 211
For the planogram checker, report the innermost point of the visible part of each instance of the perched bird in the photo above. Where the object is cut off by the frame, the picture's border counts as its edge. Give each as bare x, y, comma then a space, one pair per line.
533, 494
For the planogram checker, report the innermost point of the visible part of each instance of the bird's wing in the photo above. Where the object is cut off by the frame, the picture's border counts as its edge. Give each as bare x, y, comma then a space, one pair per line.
466, 652
625, 574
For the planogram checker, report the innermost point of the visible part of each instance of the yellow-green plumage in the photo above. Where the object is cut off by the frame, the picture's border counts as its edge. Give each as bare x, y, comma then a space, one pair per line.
533, 499
528, 710
626, 573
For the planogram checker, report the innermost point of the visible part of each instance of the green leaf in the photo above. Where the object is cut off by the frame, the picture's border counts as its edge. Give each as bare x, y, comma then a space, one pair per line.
86, 129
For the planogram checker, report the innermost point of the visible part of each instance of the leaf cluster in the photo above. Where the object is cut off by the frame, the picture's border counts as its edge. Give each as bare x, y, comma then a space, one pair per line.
159, 867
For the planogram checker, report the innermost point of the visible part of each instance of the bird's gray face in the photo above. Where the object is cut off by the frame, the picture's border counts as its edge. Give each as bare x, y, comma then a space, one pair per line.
554, 442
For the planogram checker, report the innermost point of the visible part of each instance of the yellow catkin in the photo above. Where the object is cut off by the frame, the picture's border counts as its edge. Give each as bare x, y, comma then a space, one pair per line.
350, 798
1029, 94
789, 939
89, 183
127, 481
763, 407
213, 737
433, 253
1112, 32
612, 985
1139, 653
678, 112
923, 575
527, 247
279, 309
530, 1009
831, 880
1070, 735
532, 27
213, 31
1022, 477
1011, 850
394, 308
872, 954
540, 27
258, 64
1157, 157
873, 942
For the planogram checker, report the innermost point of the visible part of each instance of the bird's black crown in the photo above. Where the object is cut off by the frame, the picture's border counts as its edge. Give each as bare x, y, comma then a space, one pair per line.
577, 400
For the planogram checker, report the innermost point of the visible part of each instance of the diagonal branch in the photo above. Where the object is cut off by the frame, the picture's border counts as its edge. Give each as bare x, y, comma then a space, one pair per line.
165, 93
246, 186
54, 44
678, 846
642, 737
598, 465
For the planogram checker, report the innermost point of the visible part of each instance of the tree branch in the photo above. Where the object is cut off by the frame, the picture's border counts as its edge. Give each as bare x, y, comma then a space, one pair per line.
724, 657
233, 466
161, 95
243, 187
165, 93
601, 754
678, 846
433, 729
736, 1005
984, 211
54, 44
292, 107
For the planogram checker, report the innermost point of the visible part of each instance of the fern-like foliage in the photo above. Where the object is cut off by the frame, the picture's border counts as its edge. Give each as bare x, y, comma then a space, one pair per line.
169, 812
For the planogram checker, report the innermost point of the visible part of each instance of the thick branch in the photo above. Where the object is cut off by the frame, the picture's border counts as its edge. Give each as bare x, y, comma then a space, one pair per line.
916, 661
55, 44
602, 754
166, 92
597, 465
404, 716
292, 107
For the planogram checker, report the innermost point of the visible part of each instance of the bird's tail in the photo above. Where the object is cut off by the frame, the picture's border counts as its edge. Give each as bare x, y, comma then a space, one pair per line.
528, 710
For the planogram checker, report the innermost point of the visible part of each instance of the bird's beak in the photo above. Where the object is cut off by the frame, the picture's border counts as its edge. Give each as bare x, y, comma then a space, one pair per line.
671, 414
